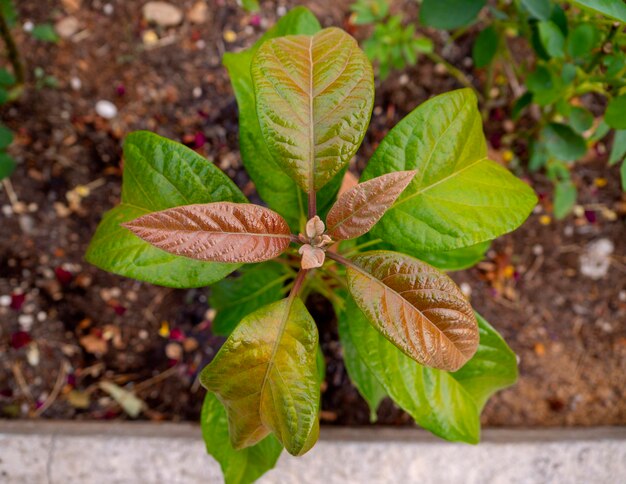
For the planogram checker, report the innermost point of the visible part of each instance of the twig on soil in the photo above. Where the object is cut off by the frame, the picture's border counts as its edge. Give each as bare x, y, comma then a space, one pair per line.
58, 385
535, 267
8, 186
155, 379
454, 72
21, 382
149, 311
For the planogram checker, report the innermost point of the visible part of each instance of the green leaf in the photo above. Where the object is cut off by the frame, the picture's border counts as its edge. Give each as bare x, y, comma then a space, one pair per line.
618, 151
539, 9
564, 198
459, 197
7, 165
303, 94
6, 78
159, 174
45, 33
361, 376
239, 466
266, 376
450, 14
558, 17
369, 11
275, 187
580, 119
6, 137
538, 155
520, 104
615, 115
545, 85
615, 9
493, 368
7, 10
250, 5
622, 171
434, 399
235, 298
582, 40
552, 38
457, 259
485, 47
447, 404
562, 142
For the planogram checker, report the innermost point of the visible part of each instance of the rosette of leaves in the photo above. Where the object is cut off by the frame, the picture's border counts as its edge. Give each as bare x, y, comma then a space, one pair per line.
305, 97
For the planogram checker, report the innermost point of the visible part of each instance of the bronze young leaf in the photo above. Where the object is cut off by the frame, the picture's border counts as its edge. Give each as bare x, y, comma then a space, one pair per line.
416, 307
219, 232
358, 210
314, 99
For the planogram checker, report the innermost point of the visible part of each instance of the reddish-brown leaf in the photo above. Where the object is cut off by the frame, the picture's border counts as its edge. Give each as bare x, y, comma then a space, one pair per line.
358, 210
416, 307
218, 232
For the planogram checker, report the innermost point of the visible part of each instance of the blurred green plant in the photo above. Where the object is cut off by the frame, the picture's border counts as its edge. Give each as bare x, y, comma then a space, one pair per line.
10, 83
579, 50
393, 45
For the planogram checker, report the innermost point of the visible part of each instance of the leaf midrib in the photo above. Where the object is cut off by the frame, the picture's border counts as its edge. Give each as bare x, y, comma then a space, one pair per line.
439, 182
311, 132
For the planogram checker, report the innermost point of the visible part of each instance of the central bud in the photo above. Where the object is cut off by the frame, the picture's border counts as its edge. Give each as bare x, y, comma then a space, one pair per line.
313, 244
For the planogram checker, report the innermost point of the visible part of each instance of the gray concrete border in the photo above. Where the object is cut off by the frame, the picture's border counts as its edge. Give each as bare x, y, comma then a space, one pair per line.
53, 452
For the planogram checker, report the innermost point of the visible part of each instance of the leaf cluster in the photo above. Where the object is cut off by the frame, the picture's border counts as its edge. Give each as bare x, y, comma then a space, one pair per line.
578, 51
430, 192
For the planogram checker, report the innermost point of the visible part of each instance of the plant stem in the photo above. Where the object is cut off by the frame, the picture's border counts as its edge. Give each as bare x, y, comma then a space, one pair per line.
456, 73
600, 53
13, 53
342, 260
297, 283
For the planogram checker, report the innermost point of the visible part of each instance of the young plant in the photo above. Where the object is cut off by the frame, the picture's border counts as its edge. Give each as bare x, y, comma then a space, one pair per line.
305, 97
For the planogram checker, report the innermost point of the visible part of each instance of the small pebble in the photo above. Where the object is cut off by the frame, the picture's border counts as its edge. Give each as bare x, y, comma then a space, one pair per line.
25, 321
150, 38
197, 92
5, 300
466, 289
106, 109
230, 36
174, 351
281, 10
162, 13
107, 9
67, 27
537, 249
32, 354
28, 26
198, 13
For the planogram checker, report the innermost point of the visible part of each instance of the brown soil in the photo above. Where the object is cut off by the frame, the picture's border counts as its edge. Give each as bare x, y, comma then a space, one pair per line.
88, 326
